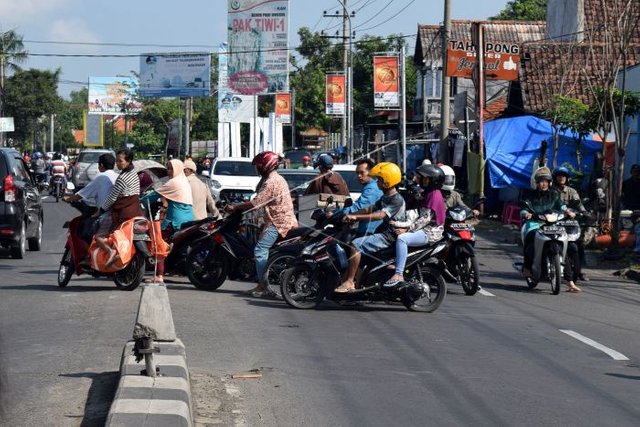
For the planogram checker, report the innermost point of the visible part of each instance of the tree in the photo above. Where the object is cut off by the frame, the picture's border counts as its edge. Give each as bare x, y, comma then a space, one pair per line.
30, 95
523, 10
567, 114
12, 54
69, 118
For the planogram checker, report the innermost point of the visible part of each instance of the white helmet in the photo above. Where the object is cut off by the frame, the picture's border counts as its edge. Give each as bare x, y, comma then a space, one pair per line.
449, 178
426, 162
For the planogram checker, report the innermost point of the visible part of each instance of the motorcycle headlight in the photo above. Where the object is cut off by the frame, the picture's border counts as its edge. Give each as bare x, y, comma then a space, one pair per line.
456, 215
215, 184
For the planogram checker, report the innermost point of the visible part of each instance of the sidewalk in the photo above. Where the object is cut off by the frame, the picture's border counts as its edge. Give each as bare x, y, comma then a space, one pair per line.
507, 237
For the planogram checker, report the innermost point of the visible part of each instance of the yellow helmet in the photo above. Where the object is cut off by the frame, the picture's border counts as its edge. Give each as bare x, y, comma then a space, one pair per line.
389, 174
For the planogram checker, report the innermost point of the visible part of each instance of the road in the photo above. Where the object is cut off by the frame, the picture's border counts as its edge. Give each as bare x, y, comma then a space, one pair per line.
497, 358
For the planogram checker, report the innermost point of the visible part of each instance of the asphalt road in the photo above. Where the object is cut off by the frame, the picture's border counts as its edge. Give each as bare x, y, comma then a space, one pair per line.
497, 358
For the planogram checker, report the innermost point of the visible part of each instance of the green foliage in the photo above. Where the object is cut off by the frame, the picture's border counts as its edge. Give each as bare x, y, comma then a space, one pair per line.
30, 95
523, 10
69, 118
600, 111
568, 114
318, 55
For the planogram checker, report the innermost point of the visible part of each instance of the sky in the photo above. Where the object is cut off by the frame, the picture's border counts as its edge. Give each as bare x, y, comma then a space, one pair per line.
194, 25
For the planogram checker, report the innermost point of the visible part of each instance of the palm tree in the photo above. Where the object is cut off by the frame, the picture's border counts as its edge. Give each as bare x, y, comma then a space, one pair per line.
12, 53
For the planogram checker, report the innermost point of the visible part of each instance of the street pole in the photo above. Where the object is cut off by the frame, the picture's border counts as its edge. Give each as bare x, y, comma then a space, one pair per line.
345, 116
187, 126
403, 111
293, 117
2, 144
51, 131
446, 87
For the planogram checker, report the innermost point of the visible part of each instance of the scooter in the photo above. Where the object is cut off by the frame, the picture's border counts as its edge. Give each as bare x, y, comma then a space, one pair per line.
75, 258
317, 273
460, 257
550, 250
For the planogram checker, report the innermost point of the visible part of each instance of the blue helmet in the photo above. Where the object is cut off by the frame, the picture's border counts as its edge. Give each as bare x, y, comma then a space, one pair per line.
323, 161
561, 171
36, 155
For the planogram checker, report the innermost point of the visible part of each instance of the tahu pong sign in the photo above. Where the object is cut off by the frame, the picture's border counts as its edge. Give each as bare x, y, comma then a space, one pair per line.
501, 60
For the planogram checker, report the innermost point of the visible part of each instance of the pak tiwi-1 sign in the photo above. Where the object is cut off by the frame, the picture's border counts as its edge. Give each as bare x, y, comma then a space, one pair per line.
501, 60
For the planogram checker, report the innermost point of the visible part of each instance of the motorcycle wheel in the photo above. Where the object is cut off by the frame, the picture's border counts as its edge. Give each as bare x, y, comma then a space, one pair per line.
555, 273
57, 191
299, 289
66, 268
469, 274
275, 270
130, 277
204, 275
425, 289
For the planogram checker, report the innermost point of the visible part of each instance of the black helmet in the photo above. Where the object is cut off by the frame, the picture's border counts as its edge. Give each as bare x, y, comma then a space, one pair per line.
324, 160
561, 171
432, 171
57, 156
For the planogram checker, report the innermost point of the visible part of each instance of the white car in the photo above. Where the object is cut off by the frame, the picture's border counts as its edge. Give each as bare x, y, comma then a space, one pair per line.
233, 178
348, 172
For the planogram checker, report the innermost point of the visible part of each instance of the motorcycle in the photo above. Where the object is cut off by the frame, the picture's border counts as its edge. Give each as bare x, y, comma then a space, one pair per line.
41, 182
574, 234
550, 250
317, 273
57, 186
460, 257
76, 251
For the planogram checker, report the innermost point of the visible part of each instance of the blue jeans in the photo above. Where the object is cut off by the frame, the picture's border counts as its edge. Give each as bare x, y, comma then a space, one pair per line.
261, 251
417, 238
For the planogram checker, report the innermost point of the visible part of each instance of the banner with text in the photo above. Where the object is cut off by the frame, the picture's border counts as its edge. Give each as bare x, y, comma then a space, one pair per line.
335, 94
258, 37
385, 82
501, 60
182, 74
93, 130
113, 95
283, 107
232, 107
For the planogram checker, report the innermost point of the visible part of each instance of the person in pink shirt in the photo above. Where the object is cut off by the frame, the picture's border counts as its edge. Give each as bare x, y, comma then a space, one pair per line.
272, 195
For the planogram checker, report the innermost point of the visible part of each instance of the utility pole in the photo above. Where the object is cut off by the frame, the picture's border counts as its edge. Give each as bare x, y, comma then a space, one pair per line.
403, 110
51, 131
347, 36
187, 125
446, 87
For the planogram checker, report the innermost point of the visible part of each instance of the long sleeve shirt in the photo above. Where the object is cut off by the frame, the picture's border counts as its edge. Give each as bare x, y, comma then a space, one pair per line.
273, 195
127, 184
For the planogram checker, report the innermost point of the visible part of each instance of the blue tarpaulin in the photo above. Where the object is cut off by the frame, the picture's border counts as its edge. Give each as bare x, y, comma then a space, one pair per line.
513, 144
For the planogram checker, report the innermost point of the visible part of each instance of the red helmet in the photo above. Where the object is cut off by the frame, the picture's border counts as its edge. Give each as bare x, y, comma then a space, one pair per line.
266, 162
306, 159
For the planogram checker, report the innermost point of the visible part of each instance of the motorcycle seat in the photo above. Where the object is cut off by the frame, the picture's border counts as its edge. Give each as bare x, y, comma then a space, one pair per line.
295, 232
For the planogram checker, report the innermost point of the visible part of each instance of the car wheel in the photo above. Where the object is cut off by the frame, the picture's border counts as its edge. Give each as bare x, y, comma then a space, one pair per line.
35, 243
19, 250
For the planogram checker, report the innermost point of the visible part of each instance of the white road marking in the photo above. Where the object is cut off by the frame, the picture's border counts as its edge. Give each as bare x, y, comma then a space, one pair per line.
486, 293
612, 353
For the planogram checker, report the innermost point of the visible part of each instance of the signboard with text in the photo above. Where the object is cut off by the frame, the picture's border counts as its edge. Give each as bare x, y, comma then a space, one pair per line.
258, 37
6, 124
385, 82
283, 107
335, 94
232, 107
113, 95
182, 74
501, 60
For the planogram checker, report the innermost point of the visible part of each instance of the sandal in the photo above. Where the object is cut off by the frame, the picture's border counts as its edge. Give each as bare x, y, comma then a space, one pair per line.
393, 281
345, 287
574, 289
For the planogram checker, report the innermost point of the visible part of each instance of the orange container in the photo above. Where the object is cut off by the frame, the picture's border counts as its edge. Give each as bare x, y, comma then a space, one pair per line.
626, 240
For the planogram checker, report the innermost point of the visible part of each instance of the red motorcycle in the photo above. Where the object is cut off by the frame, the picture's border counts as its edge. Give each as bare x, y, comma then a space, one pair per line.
76, 256
460, 257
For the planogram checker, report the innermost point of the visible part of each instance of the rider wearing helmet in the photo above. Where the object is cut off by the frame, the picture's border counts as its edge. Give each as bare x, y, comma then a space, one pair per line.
306, 163
452, 198
327, 181
58, 167
424, 225
390, 207
539, 201
272, 195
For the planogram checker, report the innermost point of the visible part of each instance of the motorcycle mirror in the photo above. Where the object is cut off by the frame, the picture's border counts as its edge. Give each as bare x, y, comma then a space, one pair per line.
70, 186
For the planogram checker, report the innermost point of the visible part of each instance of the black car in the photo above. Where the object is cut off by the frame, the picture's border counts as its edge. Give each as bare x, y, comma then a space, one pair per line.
21, 215
298, 179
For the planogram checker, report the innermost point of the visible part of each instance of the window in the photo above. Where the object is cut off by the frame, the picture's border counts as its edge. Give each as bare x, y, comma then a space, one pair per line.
20, 171
235, 168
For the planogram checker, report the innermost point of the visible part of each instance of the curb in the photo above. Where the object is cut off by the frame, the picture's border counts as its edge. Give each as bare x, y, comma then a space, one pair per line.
165, 398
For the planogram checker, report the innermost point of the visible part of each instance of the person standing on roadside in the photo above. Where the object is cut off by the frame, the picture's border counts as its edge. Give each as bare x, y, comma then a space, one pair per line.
202, 199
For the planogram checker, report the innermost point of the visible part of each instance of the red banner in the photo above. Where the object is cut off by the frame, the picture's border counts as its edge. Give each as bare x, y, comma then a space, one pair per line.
501, 60
386, 82
283, 107
335, 94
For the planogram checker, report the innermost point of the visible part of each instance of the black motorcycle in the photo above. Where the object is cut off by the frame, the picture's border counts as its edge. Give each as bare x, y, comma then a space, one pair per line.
58, 186
460, 257
318, 270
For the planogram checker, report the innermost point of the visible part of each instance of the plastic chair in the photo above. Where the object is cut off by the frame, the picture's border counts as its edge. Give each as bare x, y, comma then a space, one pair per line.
511, 214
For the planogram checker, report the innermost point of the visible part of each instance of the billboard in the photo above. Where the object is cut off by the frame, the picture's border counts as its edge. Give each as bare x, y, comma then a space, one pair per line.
258, 36
180, 74
501, 60
283, 107
112, 95
232, 107
385, 82
93, 130
335, 94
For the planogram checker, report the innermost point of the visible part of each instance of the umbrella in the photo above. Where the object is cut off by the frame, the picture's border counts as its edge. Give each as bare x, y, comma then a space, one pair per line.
157, 169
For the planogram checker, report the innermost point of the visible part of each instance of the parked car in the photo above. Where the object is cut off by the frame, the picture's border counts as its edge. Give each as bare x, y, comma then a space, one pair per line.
294, 157
348, 172
85, 167
21, 214
298, 179
233, 178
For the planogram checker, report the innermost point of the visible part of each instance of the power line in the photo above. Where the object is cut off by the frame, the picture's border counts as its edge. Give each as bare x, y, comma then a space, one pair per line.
375, 15
390, 18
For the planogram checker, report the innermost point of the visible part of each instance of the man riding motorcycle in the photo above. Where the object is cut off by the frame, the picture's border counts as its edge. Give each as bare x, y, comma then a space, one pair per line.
273, 195
58, 168
570, 197
541, 200
452, 198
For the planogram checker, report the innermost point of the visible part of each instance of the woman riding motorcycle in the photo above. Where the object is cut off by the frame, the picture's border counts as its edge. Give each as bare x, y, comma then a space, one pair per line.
541, 200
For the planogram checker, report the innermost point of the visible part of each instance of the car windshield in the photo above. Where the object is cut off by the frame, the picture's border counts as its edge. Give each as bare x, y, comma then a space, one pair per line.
229, 167
299, 181
296, 156
352, 180
91, 157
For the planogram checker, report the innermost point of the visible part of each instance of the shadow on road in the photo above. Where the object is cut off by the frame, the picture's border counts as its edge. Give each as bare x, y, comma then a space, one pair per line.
101, 392
623, 376
56, 288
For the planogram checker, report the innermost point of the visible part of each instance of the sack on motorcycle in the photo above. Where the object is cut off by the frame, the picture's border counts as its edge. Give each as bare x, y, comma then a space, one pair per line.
121, 239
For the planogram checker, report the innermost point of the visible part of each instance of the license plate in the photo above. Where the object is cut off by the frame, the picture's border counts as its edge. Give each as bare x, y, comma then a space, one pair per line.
461, 226
553, 229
